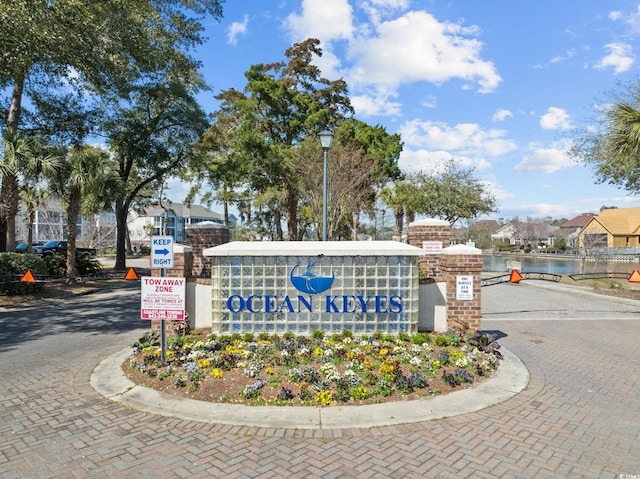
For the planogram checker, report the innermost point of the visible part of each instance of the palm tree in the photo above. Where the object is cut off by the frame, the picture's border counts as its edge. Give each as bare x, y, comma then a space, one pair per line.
23, 163
32, 197
401, 197
83, 174
614, 149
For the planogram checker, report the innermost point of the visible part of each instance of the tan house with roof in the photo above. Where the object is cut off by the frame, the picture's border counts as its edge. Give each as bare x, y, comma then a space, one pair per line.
612, 228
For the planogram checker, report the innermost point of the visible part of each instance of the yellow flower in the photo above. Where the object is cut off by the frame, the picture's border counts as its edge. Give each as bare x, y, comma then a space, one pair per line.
204, 363
383, 353
324, 398
217, 373
269, 370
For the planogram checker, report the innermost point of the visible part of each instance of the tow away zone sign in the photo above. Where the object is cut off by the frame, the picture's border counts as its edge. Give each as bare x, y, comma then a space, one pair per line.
162, 298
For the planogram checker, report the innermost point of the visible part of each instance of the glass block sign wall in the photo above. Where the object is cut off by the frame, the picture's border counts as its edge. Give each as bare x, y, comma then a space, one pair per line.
291, 289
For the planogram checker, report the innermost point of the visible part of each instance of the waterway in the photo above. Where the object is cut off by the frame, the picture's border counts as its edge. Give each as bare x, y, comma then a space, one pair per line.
561, 265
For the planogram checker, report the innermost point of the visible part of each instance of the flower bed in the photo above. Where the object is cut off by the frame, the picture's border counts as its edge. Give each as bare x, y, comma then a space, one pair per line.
313, 371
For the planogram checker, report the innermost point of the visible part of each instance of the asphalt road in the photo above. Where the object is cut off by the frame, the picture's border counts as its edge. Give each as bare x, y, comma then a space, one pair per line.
543, 300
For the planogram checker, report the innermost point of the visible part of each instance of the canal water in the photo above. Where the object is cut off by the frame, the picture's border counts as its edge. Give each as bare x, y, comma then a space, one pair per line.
556, 265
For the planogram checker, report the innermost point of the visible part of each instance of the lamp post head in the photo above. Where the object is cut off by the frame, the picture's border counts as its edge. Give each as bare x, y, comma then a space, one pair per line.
326, 138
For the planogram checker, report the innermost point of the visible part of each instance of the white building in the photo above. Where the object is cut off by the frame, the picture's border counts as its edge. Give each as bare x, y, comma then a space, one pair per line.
172, 220
50, 223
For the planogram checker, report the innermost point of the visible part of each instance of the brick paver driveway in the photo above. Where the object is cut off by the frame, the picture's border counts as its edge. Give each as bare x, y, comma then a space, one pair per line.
579, 416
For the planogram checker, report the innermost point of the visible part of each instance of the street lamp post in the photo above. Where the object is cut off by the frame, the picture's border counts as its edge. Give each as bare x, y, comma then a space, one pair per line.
326, 137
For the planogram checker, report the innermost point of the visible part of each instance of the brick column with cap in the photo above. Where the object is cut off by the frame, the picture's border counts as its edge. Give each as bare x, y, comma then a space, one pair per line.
432, 235
462, 267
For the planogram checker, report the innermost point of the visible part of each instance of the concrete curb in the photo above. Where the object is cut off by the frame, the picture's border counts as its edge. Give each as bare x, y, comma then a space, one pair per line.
109, 380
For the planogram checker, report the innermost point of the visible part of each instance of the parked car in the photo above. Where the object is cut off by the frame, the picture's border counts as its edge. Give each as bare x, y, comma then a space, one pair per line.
23, 246
60, 247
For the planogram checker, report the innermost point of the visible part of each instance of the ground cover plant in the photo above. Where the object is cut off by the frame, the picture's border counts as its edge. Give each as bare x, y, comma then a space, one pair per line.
316, 370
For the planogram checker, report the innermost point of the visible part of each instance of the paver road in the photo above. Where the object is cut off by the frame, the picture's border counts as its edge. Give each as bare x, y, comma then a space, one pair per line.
579, 416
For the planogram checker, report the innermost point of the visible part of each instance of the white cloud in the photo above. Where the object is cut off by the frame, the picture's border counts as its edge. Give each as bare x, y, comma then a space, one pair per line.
376, 9
631, 19
416, 47
561, 58
462, 139
379, 105
430, 102
547, 159
501, 114
236, 29
327, 20
620, 58
556, 119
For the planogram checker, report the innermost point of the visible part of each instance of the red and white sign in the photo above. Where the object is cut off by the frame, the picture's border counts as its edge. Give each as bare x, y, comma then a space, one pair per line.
162, 298
432, 247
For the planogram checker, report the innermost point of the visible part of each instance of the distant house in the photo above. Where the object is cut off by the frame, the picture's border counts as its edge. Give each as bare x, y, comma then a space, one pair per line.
173, 220
509, 234
612, 228
569, 230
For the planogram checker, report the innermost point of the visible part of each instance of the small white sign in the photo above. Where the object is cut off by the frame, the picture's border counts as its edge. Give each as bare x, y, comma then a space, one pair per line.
162, 298
464, 288
162, 251
432, 247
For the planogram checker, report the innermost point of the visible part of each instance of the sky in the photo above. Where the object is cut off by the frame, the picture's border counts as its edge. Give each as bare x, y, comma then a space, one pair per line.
500, 86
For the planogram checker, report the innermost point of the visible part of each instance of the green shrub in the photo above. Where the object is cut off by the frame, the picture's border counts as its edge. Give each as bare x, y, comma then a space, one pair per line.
18, 264
13, 266
85, 264
420, 339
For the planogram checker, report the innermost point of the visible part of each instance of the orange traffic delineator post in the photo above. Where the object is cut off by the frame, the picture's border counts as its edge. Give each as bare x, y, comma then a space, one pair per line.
515, 277
131, 275
634, 277
28, 277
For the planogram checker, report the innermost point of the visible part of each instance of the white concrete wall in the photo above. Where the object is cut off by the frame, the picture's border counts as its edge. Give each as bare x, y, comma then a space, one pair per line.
432, 306
198, 299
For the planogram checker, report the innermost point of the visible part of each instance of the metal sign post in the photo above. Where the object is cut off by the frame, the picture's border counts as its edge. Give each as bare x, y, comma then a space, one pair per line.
162, 256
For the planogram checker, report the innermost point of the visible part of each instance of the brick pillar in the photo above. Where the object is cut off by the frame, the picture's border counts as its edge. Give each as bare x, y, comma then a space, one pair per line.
462, 267
432, 236
182, 266
200, 237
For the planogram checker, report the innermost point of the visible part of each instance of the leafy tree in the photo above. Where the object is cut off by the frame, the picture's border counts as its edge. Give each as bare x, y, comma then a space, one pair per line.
65, 56
452, 194
614, 150
349, 173
381, 151
281, 104
150, 138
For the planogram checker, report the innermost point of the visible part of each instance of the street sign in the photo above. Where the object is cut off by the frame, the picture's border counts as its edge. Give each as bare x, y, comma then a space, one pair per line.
162, 298
162, 252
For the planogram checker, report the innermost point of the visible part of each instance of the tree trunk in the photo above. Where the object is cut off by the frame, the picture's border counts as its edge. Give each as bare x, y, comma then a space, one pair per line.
355, 215
122, 210
10, 202
9, 192
399, 216
292, 213
73, 211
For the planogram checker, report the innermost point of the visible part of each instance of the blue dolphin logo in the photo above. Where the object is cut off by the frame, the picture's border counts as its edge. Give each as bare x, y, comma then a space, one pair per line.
308, 282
